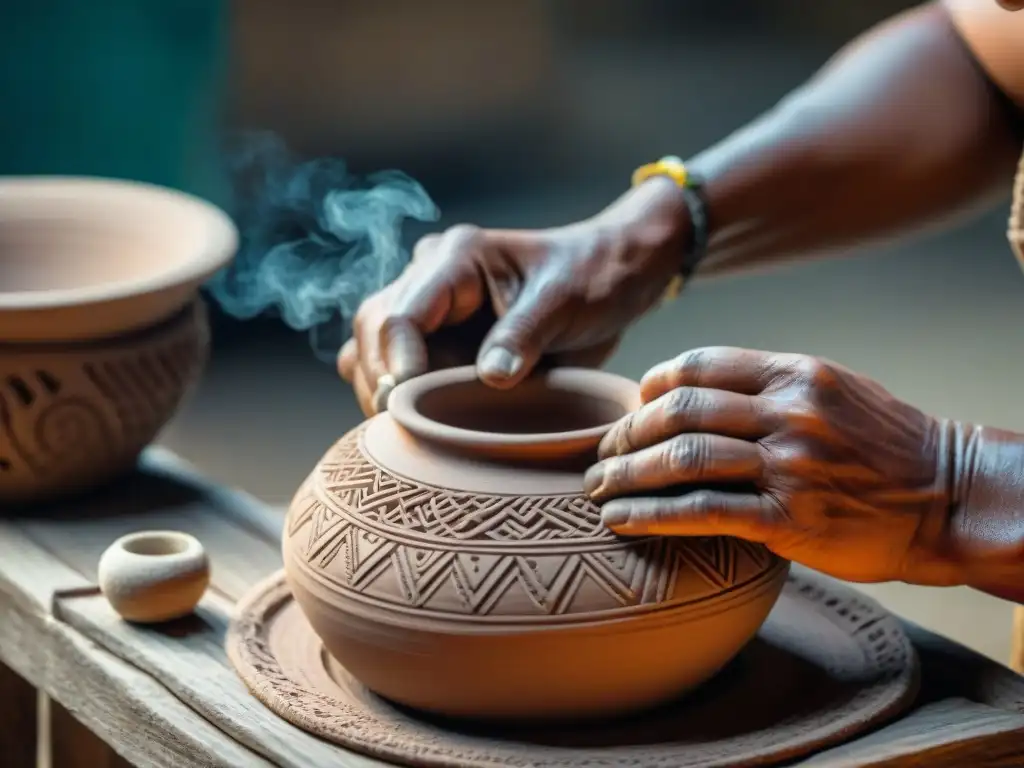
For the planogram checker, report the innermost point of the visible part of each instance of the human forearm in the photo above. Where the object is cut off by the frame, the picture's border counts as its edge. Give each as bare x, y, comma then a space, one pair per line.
898, 131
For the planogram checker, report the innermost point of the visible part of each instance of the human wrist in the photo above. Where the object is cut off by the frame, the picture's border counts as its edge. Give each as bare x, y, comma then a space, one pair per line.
979, 540
651, 219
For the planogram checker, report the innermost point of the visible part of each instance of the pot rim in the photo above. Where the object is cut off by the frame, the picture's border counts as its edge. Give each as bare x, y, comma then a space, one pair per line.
219, 243
586, 382
194, 311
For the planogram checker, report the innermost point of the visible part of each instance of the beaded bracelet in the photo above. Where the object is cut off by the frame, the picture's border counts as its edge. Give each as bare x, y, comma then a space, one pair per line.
693, 195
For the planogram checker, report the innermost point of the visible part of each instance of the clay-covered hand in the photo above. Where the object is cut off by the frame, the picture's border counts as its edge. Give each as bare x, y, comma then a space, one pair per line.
818, 463
505, 299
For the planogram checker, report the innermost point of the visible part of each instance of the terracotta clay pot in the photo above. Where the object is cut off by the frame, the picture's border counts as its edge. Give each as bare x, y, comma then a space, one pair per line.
101, 330
446, 556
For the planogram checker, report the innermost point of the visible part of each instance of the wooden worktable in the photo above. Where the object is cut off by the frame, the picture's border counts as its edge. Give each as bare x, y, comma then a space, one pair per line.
167, 697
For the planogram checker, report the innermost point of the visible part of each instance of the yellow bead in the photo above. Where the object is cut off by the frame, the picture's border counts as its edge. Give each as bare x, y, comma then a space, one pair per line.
672, 167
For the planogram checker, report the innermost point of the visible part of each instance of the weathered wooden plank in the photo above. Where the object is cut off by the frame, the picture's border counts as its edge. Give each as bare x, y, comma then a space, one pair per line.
72, 745
241, 535
32, 575
948, 734
209, 702
126, 708
18, 731
188, 657
191, 662
242, 508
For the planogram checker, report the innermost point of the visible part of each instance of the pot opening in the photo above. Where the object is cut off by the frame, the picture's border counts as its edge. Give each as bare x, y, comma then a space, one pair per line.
560, 413
531, 410
155, 545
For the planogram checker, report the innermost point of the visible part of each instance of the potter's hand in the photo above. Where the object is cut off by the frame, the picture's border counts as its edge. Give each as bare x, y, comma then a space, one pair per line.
508, 298
820, 464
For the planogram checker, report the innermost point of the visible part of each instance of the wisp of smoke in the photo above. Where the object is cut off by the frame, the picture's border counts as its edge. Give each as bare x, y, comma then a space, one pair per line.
315, 240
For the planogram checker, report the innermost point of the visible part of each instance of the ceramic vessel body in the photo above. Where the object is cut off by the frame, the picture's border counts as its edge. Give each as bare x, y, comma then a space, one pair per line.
463, 572
101, 331
74, 416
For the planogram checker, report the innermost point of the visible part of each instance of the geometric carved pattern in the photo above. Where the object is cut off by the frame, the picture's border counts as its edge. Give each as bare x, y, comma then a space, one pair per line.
351, 482
71, 411
402, 543
144, 387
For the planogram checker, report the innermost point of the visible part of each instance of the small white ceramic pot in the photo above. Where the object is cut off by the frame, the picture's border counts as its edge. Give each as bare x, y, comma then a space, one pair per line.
154, 576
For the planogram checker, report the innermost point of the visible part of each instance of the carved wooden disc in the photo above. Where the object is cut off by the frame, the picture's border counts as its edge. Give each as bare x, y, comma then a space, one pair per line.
828, 664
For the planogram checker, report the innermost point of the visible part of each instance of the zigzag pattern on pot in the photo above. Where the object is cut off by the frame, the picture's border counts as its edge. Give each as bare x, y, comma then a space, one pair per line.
348, 509
351, 482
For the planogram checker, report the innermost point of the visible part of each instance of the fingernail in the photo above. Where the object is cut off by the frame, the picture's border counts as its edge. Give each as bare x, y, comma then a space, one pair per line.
500, 363
385, 384
593, 480
614, 515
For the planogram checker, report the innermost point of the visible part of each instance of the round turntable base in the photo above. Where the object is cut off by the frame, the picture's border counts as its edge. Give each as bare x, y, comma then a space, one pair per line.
828, 664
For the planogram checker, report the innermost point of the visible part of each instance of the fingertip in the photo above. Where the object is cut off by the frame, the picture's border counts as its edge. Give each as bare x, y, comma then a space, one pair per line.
426, 246
499, 382
501, 368
405, 349
381, 393
616, 515
593, 481
655, 383
402, 369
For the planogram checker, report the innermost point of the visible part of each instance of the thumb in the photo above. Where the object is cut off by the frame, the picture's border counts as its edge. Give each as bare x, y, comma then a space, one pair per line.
522, 335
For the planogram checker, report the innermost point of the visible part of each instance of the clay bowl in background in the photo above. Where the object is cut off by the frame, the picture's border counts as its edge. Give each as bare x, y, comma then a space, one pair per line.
101, 329
446, 556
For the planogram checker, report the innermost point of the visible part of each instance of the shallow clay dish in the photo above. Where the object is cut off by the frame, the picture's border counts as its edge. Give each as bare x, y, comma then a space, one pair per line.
827, 665
447, 557
100, 332
93, 258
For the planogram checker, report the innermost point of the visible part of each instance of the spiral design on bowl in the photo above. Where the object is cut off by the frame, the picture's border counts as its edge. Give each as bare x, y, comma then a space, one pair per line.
72, 426
73, 416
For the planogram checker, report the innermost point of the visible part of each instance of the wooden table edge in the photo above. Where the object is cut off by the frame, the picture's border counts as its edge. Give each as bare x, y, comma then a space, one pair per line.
77, 671
98, 688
